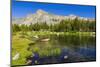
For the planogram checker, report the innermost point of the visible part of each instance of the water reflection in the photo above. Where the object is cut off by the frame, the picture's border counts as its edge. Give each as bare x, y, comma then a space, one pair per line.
71, 48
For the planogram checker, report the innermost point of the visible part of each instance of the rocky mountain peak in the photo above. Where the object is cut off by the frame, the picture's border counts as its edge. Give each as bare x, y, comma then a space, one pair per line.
41, 12
42, 16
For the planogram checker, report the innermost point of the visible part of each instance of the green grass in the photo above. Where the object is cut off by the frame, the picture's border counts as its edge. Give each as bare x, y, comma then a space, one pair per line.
20, 45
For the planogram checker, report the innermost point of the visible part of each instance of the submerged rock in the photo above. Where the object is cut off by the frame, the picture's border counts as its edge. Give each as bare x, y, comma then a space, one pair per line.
65, 57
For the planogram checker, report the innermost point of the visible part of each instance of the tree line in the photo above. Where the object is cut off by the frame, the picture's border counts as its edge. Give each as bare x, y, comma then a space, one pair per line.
75, 25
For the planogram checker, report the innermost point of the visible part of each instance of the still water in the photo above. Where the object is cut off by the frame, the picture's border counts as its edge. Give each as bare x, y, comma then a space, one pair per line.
73, 48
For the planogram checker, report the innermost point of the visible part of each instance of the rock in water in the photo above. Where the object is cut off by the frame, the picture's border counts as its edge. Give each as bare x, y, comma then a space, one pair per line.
44, 40
65, 57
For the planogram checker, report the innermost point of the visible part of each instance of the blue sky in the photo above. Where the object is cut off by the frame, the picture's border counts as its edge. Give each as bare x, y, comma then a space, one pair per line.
22, 9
